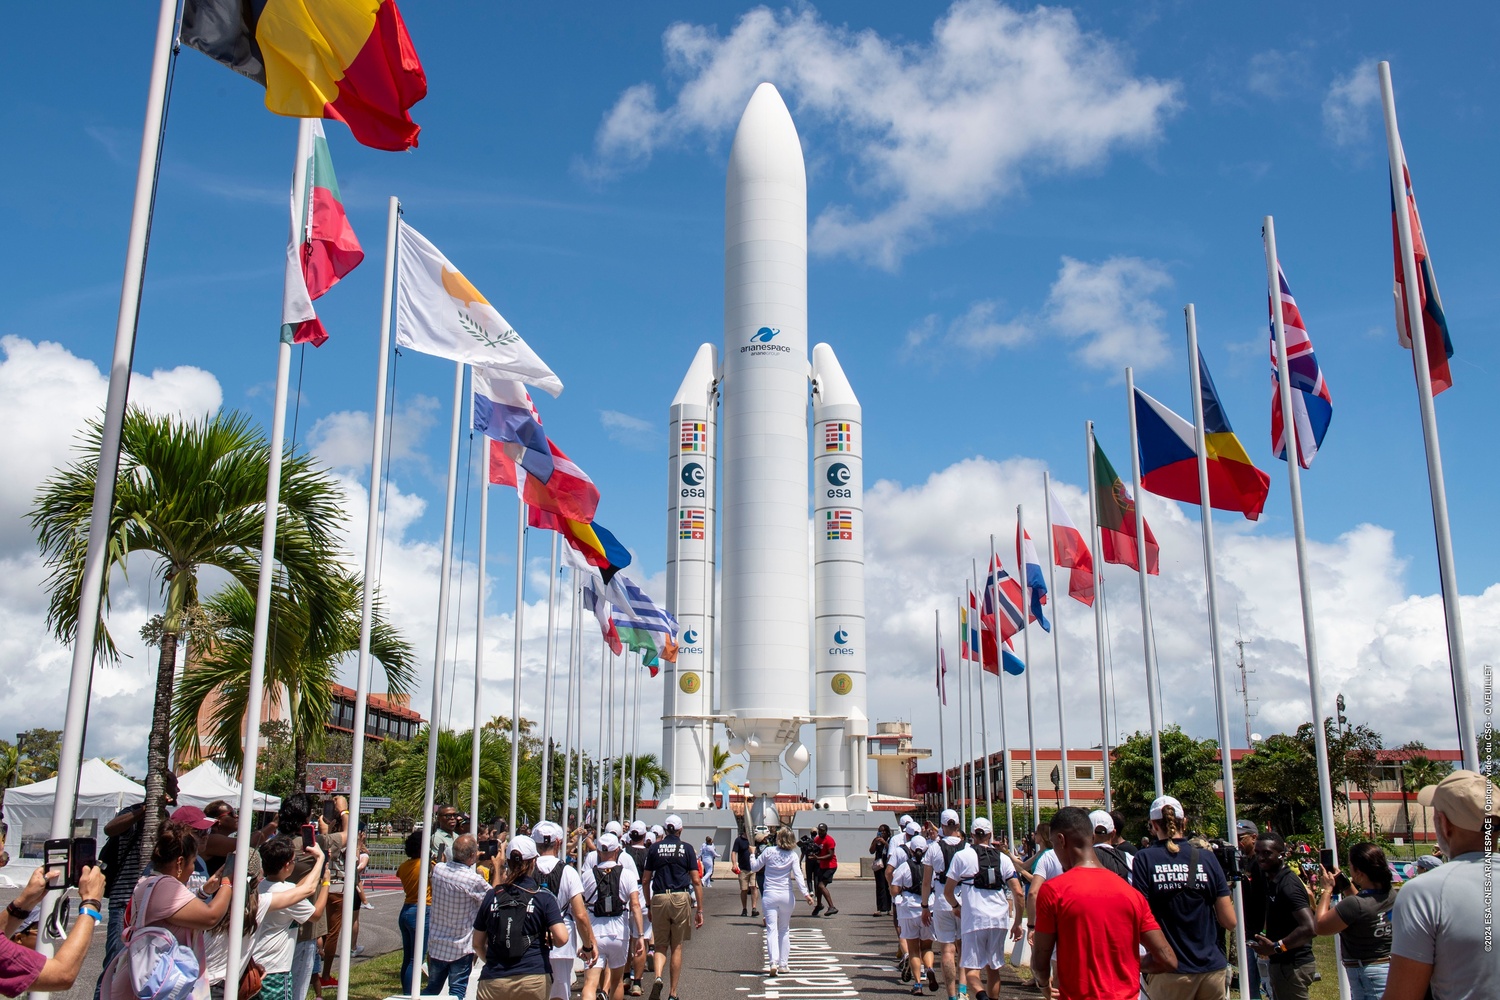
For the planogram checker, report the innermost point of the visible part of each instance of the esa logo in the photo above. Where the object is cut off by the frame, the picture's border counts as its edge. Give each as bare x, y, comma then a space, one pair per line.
840, 645
838, 481
692, 481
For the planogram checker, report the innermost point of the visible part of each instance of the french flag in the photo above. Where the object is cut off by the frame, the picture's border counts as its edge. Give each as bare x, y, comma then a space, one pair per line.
1072, 552
1035, 581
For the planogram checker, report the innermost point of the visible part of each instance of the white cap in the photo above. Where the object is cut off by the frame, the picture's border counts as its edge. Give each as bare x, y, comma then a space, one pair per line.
1161, 803
911, 829
674, 822
905, 819
608, 842
982, 825
637, 827
614, 827
1101, 821
949, 816
547, 832
522, 845
917, 843
659, 833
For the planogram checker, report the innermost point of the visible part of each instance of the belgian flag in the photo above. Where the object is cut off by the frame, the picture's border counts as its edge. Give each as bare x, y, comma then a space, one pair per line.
350, 60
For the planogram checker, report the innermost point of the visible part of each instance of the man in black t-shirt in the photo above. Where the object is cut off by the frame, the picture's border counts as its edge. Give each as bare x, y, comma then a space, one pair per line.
529, 972
672, 885
740, 851
1280, 900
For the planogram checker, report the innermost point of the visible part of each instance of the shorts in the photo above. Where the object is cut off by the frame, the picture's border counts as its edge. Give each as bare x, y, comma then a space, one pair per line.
513, 988
825, 875
612, 938
984, 948
747, 880
1196, 986
671, 918
913, 929
944, 924
334, 911
562, 977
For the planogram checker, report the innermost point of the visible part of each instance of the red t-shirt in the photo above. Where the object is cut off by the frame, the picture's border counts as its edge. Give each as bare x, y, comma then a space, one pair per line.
19, 967
825, 845
1098, 920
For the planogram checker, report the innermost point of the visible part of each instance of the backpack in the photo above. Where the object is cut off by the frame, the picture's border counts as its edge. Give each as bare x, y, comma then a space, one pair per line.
510, 913
988, 877
552, 881
160, 968
1111, 858
914, 862
637, 854
948, 851
607, 901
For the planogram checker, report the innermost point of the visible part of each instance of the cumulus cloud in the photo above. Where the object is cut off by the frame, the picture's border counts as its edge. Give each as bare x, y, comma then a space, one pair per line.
630, 431
934, 129
1349, 106
341, 440
1276, 73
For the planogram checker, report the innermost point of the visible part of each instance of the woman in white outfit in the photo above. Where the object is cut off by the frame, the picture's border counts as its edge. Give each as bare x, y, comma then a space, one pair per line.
782, 863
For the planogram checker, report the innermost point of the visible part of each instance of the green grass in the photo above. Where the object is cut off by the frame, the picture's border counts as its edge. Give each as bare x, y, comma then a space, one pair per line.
376, 979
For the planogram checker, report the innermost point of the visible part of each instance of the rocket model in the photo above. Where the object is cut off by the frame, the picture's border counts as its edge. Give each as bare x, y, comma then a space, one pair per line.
785, 657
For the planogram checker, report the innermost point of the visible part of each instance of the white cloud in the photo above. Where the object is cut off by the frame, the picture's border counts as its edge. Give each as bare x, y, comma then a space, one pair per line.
1349, 106
979, 331
935, 129
342, 440
632, 432
1275, 73
1109, 309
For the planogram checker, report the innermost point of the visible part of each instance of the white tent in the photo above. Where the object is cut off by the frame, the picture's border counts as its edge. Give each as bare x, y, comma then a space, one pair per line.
102, 792
209, 781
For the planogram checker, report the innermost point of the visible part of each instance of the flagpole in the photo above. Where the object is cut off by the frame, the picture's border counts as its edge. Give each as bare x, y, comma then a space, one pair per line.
1304, 582
965, 744
1221, 701
474, 741
257, 684
937, 626
1143, 559
1447, 574
1010, 832
91, 589
1036, 792
424, 867
568, 713
1062, 722
515, 669
599, 761
1098, 562
984, 722
635, 750
546, 796
974, 667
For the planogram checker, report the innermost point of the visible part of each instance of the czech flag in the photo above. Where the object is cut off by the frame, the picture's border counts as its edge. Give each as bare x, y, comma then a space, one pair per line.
350, 60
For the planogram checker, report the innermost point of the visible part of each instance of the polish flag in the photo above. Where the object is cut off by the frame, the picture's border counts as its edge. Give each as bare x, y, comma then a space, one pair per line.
1071, 551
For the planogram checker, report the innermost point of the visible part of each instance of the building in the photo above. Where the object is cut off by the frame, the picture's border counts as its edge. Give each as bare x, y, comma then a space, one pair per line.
895, 760
387, 717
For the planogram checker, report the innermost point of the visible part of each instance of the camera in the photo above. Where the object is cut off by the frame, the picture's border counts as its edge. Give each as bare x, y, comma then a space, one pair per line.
1235, 866
69, 858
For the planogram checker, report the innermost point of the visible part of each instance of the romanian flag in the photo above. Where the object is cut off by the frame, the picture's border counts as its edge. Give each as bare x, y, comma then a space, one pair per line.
1116, 510
1169, 459
349, 60
593, 541
1434, 322
322, 247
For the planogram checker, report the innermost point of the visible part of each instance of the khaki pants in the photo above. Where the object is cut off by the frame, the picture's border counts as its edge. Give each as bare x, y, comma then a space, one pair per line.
1292, 982
671, 918
1189, 986
513, 988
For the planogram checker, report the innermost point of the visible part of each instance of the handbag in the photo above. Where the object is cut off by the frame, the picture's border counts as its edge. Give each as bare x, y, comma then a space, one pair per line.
251, 979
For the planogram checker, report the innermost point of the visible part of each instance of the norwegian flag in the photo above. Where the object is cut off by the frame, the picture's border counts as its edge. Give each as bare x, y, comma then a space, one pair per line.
1312, 406
1001, 586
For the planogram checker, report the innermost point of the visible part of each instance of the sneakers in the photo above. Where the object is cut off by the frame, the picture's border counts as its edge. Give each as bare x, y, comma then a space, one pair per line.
743, 913
817, 909
328, 981
916, 991
932, 980
634, 989
832, 910
754, 912
656, 990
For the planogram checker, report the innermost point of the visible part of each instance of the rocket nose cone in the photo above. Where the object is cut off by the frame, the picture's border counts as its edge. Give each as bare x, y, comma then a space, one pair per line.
766, 146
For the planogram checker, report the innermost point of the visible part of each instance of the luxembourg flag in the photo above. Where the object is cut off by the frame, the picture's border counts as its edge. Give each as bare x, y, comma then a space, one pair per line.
1072, 552
1035, 581
503, 410
1312, 405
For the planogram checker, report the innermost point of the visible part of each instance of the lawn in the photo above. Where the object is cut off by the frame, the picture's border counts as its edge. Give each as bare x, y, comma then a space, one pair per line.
376, 979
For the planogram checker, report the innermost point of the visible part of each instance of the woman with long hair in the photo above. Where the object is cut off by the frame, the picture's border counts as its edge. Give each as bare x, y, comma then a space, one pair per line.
257, 905
879, 849
514, 952
1362, 919
781, 864
409, 873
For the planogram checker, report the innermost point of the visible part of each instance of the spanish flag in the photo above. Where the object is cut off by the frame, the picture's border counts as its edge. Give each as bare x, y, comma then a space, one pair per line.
350, 60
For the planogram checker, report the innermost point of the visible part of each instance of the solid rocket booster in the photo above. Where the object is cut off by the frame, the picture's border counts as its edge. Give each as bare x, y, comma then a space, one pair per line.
764, 636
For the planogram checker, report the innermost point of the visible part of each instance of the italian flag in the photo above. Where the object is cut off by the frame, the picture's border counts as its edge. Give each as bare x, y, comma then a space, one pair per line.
322, 247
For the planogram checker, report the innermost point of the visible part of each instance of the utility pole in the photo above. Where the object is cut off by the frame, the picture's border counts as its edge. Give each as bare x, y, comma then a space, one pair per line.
1240, 643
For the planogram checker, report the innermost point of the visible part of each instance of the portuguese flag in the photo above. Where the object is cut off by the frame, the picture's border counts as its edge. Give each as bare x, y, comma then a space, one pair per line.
350, 60
1117, 519
322, 247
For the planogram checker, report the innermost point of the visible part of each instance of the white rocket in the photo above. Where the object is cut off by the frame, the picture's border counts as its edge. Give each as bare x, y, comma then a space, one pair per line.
773, 639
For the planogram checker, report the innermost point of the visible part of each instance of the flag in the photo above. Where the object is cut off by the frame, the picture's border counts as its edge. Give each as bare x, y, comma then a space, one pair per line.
320, 249
1036, 583
504, 412
1014, 665
598, 547
974, 623
439, 312
1072, 553
989, 657
1169, 458
942, 673
568, 492
1434, 321
596, 603
963, 631
1312, 406
350, 60
1002, 592
644, 627
1116, 509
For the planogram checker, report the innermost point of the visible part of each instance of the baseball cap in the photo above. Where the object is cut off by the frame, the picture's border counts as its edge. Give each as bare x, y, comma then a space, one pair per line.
637, 827
614, 827
608, 842
1161, 803
1101, 821
1245, 826
981, 825
949, 816
918, 843
1428, 862
547, 832
911, 829
659, 833
193, 817
905, 819
522, 845
674, 822
1465, 797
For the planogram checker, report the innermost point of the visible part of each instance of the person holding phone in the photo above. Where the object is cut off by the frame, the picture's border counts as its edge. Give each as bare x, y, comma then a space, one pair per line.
22, 969
1361, 919
1285, 939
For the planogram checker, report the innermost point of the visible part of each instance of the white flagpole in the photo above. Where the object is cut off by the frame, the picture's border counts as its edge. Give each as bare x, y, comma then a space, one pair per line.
1036, 791
366, 617
937, 625
1010, 831
91, 592
515, 670
1304, 583
257, 686
984, 719
1447, 574
548, 683
425, 865
572, 691
599, 761
474, 750
1148, 639
1098, 561
974, 668
1221, 702
1062, 722
635, 746
965, 738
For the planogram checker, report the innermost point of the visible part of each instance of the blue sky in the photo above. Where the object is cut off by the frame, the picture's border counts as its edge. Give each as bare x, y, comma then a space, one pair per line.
942, 280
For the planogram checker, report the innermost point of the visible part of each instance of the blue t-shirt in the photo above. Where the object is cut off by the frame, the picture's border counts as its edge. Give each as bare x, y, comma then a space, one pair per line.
1183, 903
671, 864
544, 912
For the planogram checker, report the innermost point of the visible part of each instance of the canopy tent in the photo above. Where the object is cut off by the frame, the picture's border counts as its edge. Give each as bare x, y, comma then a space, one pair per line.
102, 792
209, 781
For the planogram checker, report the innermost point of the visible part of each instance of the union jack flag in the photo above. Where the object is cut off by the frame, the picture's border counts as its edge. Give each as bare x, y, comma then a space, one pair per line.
1312, 406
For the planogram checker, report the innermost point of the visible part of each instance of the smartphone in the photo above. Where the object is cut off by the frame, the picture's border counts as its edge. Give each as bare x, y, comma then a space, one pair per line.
330, 812
1327, 857
55, 858
82, 855
309, 834
491, 847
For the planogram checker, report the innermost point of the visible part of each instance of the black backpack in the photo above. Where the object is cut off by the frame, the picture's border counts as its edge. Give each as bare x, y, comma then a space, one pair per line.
510, 913
607, 902
988, 877
914, 865
552, 881
948, 851
637, 854
1112, 858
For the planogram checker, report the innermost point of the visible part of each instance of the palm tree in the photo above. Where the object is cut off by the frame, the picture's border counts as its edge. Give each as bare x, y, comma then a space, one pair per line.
408, 776
646, 770
302, 661
190, 494
1417, 773
722, 769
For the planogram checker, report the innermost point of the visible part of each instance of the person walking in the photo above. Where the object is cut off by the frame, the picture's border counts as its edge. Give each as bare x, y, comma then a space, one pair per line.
1361, 919
672, 888
878, 851
979, 880
1442, 923
410, 874
1190, 899
1285, 940
274, 944
1111, 857
781, 865
941, 915
517, 923
1091, 926
612, 894
563, 881
827, 866
708, 854
457, 892
911, 915
740, 852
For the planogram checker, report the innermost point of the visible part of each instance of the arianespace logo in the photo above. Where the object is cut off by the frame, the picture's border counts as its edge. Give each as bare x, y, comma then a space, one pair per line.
760, 342
840, 645
839, 474
692, 474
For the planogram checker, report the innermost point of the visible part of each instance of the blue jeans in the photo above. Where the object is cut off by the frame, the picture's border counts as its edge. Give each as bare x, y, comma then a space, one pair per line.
455, 974
1367, 982
407, 921
303, 959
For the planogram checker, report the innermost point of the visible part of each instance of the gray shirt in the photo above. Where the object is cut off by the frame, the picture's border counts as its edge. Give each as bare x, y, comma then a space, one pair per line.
1439, 920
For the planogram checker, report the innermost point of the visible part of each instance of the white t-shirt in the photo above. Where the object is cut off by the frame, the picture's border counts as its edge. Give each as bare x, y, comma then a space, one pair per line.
216, 945
613, 928
908, 904
934, 859
625, 859
571, 886
1047, 866
982, 908
897, 842
276, 937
